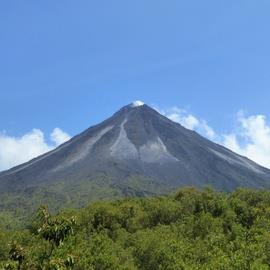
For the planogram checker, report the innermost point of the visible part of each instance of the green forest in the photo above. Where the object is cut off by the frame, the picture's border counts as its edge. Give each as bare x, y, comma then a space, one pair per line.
189, 229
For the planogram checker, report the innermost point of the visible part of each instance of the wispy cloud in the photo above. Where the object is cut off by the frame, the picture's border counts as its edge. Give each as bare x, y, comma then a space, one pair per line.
17, 150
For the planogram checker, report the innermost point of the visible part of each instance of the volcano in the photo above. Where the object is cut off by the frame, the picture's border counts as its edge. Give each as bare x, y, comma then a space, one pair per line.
137, 151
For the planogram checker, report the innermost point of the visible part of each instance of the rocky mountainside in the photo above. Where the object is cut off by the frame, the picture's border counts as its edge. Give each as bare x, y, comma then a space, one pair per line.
135, 152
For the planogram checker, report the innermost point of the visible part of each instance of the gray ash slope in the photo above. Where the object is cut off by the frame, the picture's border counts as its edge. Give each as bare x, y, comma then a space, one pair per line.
139, 142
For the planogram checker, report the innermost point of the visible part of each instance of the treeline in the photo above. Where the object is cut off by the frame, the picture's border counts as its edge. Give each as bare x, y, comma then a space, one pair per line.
188, 230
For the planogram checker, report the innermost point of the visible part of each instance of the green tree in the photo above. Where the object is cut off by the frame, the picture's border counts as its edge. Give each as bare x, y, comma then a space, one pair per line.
53, 229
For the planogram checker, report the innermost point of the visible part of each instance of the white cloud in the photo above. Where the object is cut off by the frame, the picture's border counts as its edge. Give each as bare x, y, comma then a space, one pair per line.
252, 140
189, 121
230, 141
17, 150
58, 136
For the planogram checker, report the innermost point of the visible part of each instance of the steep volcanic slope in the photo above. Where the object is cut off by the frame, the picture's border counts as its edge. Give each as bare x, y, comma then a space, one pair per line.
136, 150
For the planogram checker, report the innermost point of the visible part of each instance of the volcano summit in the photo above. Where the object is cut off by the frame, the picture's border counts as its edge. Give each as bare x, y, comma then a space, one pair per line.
135, 152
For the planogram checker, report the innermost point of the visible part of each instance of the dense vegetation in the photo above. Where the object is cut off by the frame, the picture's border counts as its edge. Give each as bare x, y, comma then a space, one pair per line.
188, 230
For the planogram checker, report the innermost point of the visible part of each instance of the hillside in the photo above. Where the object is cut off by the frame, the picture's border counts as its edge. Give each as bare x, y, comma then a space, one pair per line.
187, 230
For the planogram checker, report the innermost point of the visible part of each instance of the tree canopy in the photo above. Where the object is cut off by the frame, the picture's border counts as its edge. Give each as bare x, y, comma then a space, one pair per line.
190, 229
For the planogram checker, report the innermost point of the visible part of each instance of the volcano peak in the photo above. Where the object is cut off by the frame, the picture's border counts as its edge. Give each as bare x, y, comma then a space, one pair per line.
137, 103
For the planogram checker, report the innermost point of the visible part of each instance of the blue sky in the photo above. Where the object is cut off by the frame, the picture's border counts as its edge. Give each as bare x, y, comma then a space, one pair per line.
71, 64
